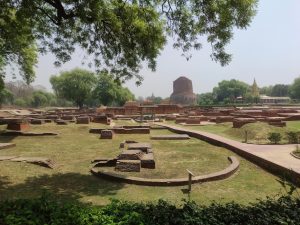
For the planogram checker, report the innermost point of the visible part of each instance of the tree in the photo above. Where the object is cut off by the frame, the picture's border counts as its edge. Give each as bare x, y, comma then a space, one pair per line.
295, 89
267, 90
205, 99
19, 88
39, 99
42, 98
228, 90
280, 90
75, 85
121, 35
6, 97
154, 99
108, 92
17, 40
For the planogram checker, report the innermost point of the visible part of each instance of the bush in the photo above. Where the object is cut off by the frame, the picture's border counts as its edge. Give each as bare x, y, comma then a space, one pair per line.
45, 210
274, 138
293, 137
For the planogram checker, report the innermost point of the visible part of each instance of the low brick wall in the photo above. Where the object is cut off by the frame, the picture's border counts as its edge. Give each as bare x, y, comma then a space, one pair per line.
263, 163
220, 175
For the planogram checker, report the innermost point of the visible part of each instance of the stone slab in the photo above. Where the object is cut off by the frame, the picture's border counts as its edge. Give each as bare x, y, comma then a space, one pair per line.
130, 155
141, 146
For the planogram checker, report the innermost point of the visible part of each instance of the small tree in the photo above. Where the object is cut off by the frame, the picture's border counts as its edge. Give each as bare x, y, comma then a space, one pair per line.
293, 137
274, 137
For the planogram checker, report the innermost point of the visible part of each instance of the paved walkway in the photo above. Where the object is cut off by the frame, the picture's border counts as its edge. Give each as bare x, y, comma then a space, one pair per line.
277, 154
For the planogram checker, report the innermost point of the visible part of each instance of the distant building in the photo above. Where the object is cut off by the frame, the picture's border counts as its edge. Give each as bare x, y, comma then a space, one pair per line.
264, 99
183, 92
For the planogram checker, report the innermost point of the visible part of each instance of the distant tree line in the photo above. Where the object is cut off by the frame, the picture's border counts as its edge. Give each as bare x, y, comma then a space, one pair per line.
232, 91
76, 87
18, 93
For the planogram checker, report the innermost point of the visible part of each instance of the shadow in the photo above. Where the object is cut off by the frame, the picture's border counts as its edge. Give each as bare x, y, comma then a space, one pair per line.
187, 192
68, 186
3, 182
6, 139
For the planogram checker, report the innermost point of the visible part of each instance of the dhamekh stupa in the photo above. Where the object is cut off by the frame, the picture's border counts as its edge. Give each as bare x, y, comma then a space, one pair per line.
183, 92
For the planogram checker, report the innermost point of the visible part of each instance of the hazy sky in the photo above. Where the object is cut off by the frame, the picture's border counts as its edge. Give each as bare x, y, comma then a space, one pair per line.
269, 50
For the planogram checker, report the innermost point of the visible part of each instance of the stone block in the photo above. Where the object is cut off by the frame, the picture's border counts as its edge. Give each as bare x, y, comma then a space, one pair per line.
83, 120
131, 155
224, 119
37, 121
144, 147
193, 121
68, 117
18, 126
128, 166
61, 122
239, 122
106, 134
147, 161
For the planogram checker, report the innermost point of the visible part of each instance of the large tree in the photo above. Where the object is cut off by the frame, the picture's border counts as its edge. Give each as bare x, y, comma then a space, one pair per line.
229, 90
120, 34
280, 90
109, 92
75, 85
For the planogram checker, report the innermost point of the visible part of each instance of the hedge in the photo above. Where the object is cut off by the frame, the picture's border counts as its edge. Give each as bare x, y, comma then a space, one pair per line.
47, 210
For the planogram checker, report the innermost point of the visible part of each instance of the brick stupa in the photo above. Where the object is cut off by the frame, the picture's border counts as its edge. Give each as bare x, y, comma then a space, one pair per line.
183, 92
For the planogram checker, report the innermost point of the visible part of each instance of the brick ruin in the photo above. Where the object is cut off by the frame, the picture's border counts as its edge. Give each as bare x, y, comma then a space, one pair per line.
131, 159
183, 92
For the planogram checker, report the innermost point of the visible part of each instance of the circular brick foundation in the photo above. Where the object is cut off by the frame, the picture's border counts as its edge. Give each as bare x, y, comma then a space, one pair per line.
220, 175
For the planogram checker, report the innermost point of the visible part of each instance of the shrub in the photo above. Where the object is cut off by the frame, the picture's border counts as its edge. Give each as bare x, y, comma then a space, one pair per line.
274, 137
284, 210
293, 137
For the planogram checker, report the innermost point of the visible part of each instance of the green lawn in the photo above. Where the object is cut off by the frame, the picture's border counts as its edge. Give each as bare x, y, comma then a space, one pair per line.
257, 132
74, 148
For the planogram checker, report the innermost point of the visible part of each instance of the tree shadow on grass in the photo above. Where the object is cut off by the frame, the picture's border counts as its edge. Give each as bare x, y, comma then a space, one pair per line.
65, 186
6, 139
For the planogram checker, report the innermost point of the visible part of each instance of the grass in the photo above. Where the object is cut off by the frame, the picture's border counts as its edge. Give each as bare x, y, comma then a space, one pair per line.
74, 148
257, 132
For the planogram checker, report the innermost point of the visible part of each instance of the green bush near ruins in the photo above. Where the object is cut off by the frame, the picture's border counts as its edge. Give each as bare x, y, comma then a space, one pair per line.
274, 137
74, 148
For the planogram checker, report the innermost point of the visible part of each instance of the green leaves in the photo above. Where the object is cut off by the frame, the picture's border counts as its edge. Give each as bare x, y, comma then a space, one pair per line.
120, 35
84, 87
45, 210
